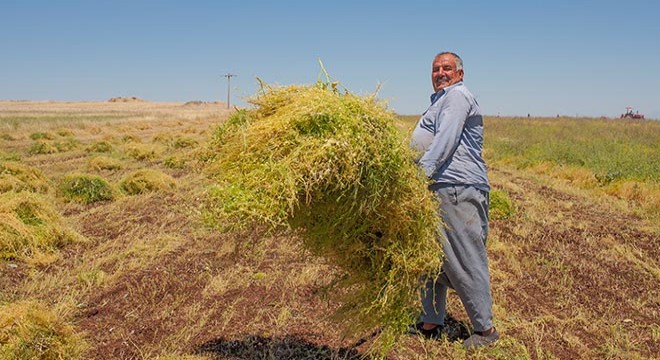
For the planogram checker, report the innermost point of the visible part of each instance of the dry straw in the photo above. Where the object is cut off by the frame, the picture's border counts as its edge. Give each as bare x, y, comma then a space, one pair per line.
146, 181
332, 168
29, 330
30, 225
16, 176
104, 163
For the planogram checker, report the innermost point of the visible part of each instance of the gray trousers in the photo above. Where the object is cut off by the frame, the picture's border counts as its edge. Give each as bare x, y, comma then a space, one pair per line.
464, 210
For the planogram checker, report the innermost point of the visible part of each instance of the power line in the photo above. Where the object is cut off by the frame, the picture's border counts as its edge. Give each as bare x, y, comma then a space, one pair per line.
228, 76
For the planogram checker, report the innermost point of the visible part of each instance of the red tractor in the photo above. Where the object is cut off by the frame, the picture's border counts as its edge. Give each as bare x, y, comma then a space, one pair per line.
631, 115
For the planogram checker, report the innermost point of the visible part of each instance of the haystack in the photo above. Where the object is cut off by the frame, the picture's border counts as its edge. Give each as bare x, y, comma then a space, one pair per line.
126, 99
332, 169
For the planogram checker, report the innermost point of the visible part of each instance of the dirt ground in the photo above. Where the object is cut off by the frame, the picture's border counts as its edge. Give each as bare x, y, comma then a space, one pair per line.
573, 276
564, 291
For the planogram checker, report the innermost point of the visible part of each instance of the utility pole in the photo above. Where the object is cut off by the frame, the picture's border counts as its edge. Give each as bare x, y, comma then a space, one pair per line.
228, 76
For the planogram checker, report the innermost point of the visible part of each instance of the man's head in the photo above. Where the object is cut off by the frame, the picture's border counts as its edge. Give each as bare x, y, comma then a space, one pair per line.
447, 70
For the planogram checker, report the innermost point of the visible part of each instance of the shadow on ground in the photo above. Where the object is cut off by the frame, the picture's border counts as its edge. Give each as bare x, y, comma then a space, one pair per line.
259, 347
293, 347
456, 330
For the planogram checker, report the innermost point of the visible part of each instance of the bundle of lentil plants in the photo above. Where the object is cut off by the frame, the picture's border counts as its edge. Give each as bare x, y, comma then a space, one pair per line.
332, 169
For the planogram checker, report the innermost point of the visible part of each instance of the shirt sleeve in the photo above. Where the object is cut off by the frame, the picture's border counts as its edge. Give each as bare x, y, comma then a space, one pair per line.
449, 127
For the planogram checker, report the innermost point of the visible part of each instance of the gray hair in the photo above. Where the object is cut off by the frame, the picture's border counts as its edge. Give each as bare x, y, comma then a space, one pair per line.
459, 61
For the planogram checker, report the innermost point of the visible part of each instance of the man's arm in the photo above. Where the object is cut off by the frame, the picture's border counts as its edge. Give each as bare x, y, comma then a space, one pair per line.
451, 120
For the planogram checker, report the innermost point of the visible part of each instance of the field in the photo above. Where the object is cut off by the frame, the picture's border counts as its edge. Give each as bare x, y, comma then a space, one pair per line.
119, 263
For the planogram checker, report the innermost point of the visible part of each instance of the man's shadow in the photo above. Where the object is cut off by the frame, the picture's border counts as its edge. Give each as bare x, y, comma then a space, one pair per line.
456, 330
288, 347
294, 347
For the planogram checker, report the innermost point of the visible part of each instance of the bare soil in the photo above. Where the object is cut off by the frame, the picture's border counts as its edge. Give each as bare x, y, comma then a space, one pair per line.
569, 273
574, 271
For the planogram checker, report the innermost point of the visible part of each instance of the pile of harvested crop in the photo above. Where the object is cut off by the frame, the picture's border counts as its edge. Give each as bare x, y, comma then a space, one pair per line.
332, 168
16, 176
145, 181
85, 188
29, 225
29, 330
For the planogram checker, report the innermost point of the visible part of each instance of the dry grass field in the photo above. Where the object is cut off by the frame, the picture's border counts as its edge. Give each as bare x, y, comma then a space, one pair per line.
104, 254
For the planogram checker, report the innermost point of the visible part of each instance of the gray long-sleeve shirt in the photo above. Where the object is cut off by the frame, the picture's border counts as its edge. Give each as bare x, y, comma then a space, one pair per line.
449, 136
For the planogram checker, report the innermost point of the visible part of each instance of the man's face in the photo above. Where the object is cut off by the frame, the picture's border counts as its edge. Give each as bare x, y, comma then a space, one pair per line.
444, 72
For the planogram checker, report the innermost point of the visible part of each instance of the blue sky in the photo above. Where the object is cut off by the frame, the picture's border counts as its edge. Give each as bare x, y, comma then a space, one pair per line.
580, 57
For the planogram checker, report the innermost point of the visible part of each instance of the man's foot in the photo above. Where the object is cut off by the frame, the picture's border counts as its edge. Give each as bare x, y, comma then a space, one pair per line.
426, 330
479, 339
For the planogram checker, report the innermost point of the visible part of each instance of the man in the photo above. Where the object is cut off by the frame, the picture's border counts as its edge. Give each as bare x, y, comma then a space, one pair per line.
449, 137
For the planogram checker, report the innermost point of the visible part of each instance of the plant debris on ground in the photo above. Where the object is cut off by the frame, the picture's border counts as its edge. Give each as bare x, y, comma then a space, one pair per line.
334, 169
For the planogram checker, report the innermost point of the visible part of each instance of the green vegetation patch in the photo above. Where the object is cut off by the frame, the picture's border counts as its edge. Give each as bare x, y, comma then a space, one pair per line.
52, 147
4, 156
501, 206
15, 176
175, 161
67, 144
29, 330
29, 225
145, 181
333, 168
85, 189
612, 150
42, 135
42, 147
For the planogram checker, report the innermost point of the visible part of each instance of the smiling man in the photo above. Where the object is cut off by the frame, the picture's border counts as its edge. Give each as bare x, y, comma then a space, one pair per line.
449, 137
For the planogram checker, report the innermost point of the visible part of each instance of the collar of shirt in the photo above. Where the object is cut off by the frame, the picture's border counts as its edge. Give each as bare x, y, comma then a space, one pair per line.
438, 95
